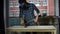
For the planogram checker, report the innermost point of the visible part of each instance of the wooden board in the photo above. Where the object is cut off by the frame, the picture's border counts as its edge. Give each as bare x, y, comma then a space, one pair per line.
31, 28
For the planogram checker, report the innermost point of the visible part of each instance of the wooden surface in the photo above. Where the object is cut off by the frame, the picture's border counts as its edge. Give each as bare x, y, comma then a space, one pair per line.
32, 28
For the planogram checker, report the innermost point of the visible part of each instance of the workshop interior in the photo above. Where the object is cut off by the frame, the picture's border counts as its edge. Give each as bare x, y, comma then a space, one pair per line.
48, 18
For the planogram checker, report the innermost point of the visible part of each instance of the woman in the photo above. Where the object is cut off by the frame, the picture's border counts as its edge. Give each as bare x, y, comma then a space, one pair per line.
27, 13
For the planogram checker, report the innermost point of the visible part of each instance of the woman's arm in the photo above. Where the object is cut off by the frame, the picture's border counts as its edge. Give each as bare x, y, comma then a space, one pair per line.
36, 9
21, 17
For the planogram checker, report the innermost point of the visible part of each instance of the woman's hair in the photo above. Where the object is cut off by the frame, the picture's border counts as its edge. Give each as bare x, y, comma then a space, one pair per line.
22, 1
25, 3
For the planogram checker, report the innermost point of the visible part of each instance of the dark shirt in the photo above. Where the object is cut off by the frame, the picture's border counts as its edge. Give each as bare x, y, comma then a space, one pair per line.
28, 13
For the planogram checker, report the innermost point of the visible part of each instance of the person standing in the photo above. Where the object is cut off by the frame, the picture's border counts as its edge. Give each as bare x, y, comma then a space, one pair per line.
27, 13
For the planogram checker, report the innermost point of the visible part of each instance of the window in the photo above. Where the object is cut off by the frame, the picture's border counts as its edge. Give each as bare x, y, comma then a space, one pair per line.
44, 2
10, 3
38, 3
16, 4
13, 13
13, 3
31, 1
16, 13
44, 12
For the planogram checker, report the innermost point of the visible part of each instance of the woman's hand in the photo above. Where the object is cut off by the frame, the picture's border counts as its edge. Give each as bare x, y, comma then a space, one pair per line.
35, 19
22, 21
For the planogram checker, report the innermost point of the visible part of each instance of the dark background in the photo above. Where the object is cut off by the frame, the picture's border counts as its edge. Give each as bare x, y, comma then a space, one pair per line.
2, 30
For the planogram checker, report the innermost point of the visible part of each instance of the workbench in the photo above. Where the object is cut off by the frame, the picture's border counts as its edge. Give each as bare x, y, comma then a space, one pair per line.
51, 29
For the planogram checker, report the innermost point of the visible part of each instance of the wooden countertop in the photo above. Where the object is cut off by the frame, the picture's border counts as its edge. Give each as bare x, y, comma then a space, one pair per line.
31, 28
